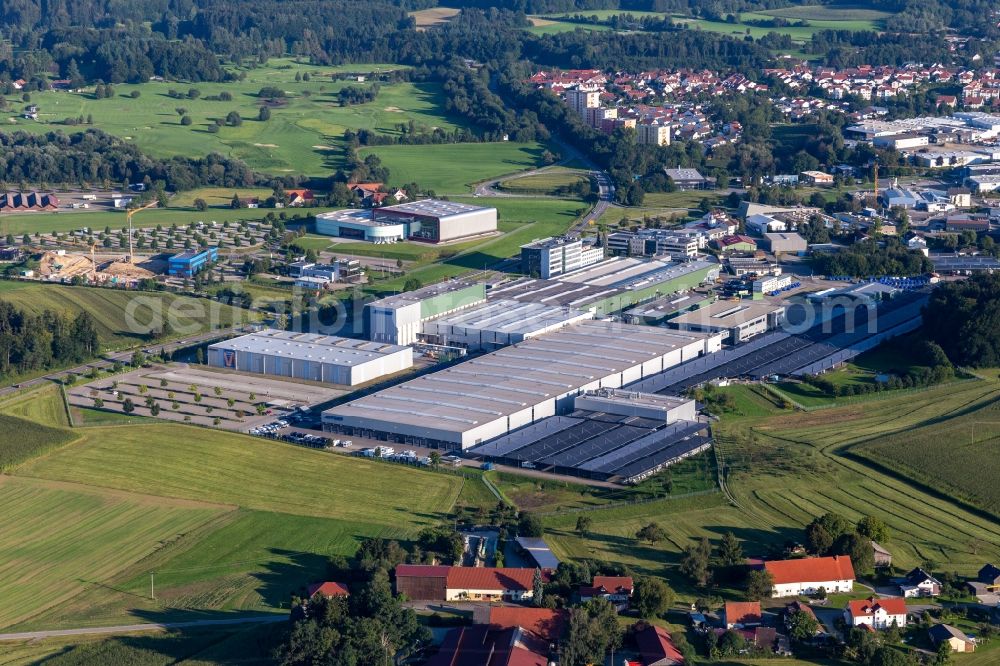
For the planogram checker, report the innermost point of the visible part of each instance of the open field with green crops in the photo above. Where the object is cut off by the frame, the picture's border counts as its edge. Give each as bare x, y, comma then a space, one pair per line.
244, 561
201, 464
546, 182
784, 468
452, 168
973, 443
123, 318
819, 17
21, 440
88, 536
304, 134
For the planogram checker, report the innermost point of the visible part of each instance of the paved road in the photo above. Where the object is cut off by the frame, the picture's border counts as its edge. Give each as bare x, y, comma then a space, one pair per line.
109, 359
133, 628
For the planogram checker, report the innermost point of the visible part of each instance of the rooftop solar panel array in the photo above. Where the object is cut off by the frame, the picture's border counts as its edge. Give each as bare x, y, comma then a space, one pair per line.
643, 447
525, 436
584, 451
563, 440
668, 454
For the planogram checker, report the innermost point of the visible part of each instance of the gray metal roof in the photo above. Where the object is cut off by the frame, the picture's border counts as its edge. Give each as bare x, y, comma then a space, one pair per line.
512, 317
309, 347
434, 207
515, 378
417, 295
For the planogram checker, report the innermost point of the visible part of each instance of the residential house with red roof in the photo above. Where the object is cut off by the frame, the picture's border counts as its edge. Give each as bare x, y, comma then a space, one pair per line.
327, 589
808, 574
656, 648
876, 613
441, 583
546, 623
741, 614
482, 645
299, 197
616, 589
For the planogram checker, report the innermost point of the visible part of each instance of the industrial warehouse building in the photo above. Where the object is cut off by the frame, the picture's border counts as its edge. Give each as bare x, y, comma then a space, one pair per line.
491, 395
611, 285
399, 319
188, 264
612, 434
497, 324
738, 320
428, 220
319, 358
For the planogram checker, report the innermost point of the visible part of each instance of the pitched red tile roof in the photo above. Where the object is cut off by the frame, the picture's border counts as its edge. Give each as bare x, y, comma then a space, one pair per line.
810, 569
655, 644
543, 622
614, 583
328, 589
479, 645
488, 578
742, 612
864, 607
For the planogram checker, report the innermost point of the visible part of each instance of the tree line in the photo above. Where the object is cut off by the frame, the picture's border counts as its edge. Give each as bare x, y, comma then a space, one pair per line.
31, 342
95, 157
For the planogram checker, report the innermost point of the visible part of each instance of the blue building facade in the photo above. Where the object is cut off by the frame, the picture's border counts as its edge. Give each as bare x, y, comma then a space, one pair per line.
187, 264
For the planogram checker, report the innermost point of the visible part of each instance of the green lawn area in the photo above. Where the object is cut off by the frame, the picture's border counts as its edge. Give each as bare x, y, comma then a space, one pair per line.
303, 135
123, 318
544, 183
219, 197
784, 468
88, 537
201, 464
546, 26
453, 168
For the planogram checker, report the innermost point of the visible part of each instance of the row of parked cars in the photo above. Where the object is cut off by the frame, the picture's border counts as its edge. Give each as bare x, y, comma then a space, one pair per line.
269, 429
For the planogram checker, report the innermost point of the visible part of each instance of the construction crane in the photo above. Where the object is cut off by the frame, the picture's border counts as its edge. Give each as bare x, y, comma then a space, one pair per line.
128, 215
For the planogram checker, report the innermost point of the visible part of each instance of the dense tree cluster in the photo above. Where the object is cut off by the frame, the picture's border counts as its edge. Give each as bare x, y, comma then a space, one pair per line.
94, 157
30, 342
832, 534
868, 259
962, 318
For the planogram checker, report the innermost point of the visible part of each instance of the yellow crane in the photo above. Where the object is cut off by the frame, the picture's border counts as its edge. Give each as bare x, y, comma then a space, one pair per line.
128, 216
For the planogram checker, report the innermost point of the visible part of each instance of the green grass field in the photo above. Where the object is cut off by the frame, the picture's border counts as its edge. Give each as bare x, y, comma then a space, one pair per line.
785, 468
124, 318
304, 134
88, 536
201, 464
973, 439
21, 440
453, 168
544, 183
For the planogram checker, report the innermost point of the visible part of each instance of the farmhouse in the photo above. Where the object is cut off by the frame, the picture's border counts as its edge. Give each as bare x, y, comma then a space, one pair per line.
298, 198
547, 623
442, 583
741, 614
876, 613
327, 589
808, 575
616, 589
883, 558
958, 640
657, 648
919, 583
482, 645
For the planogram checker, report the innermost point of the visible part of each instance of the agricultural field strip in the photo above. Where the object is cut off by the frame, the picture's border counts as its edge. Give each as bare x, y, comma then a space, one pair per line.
90, 536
